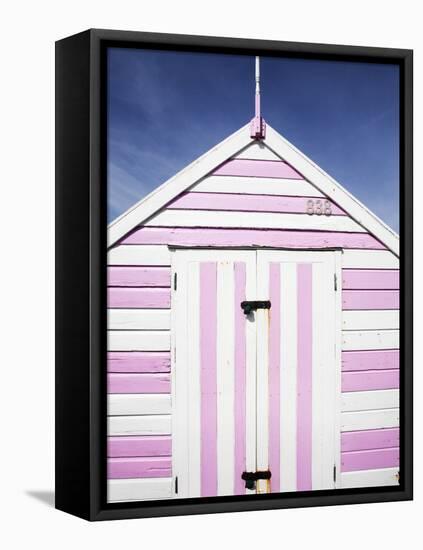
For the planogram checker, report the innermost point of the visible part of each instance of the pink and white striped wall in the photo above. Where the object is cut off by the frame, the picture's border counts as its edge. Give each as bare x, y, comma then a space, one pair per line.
254, 201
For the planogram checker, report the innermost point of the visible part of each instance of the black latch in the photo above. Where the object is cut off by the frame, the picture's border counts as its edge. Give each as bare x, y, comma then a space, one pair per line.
249, 306
250, 478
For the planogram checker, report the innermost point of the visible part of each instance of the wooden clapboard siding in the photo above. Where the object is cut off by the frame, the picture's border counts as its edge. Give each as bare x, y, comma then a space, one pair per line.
139, 255
370, 279
370, 459
253, 203
138, 383
260, 220
157, 424
256, 186
125, 490
370, 360
370, 299
361, 320
369, 478
138, 361
130, 276
138, 319
257, 151
279, 238
369, 420
369, 400
370, 439
257, 169
370, 380
370, 339
369, 259
149, 445
118, 297
139, 401
139, 467
136, 403
138, 340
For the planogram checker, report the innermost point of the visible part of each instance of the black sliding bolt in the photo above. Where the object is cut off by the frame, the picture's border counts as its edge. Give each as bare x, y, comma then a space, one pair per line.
253, 305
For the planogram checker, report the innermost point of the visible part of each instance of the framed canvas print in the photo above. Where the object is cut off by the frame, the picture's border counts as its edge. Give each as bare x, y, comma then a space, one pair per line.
234, 274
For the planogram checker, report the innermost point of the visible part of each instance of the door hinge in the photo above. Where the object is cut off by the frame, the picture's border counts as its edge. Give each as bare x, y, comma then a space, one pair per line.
335, 282
176, 485
334, 473
175, 281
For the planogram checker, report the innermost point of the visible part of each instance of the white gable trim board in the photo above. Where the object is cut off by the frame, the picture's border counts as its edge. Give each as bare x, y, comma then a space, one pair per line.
200, 392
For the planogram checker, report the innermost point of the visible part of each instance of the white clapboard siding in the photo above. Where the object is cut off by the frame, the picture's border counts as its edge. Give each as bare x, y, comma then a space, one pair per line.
138, 319
159, 424
369, 259
369, 420
369, 478
256, 186
369, 400
264, 220
138, 340
257, 151
137, 404
370, 339
139, 254
385, 319
124, 490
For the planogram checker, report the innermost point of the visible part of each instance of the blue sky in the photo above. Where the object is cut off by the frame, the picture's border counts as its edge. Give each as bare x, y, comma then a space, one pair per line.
167, 108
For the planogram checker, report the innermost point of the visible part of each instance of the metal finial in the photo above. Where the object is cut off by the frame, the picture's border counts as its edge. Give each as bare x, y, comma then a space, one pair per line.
258, 126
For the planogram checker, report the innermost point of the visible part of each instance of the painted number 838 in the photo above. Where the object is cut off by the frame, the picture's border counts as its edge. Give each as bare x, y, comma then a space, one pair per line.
319, 207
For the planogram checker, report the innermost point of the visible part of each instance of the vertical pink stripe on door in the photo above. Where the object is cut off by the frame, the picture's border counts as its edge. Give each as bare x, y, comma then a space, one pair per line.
274, 376
240, 378
208, 378
304, 377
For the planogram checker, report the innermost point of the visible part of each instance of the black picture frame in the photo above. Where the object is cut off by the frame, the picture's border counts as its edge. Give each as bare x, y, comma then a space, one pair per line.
81, 226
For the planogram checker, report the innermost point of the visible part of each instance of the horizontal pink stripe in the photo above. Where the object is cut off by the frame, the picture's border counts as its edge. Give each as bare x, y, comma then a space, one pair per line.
370, 299
370, 380
376, 279
247, 203
369, 439
127, 468
138, 276
138, 361
139, 445
138, 383
370, 360
368, 460
251, 237
258, 169
138, 297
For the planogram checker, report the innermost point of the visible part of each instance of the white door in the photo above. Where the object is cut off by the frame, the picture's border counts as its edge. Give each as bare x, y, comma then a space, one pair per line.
254, 394
298, 370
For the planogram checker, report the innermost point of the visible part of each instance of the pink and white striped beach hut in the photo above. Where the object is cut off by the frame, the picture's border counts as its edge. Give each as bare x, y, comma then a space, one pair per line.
252, 331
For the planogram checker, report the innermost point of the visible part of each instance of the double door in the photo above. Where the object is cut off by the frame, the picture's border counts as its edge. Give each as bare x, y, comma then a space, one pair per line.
256, 371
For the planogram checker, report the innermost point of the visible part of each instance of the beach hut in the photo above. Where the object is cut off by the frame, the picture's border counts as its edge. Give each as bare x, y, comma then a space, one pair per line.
252, 330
